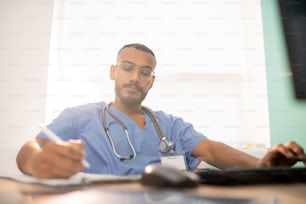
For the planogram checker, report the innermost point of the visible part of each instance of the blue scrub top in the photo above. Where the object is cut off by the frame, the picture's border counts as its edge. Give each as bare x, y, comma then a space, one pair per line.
85, 123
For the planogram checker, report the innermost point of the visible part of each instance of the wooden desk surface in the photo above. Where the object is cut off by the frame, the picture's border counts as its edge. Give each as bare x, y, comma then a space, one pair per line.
12, 192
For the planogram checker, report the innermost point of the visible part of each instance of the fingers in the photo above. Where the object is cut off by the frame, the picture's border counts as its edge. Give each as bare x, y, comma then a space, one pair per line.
59, 160
283, 154
296, 150
73, 149
283, 150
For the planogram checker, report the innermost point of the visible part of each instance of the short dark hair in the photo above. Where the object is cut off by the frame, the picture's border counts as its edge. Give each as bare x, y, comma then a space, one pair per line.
138, 46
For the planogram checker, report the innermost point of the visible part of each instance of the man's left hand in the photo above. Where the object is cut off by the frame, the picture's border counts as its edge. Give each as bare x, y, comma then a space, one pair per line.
283, 155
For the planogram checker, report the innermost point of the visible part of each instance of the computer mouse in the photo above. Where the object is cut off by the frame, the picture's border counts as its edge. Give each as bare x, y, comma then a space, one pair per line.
168, 177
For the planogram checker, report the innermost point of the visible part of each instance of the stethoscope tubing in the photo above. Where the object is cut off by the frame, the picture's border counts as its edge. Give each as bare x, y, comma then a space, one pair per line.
126, 133
168, 145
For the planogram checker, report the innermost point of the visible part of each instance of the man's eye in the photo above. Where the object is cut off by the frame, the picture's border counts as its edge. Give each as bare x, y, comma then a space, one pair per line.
146, 72
127, 67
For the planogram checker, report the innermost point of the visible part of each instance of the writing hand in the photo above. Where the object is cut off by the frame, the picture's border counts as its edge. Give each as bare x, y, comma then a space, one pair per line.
58, 160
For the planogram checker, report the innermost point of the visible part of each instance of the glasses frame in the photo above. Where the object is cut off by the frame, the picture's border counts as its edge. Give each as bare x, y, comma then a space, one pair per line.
133, 68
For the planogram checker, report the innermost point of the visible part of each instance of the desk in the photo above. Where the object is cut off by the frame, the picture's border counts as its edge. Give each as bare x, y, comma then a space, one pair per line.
12, 192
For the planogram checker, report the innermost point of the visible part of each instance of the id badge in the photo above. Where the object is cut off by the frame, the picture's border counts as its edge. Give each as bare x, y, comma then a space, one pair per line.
176, 160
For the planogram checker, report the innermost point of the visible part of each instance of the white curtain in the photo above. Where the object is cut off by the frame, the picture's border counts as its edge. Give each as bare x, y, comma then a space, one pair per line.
210, 71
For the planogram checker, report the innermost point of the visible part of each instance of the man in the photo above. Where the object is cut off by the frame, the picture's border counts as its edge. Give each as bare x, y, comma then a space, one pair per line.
122, 137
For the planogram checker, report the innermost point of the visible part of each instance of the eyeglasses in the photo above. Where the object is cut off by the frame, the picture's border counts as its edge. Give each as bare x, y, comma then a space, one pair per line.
144, 72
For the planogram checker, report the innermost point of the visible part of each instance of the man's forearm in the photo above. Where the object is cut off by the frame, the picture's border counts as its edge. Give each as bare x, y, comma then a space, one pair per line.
223, 156
231, 157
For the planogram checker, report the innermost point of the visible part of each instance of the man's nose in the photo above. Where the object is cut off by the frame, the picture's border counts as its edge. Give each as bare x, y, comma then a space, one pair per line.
136, 75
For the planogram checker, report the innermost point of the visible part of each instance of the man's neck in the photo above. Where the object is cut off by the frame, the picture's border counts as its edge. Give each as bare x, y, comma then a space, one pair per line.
128, 109
135, 112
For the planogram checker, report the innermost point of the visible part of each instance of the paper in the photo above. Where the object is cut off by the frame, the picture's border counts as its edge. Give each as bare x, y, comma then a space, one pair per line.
78, 179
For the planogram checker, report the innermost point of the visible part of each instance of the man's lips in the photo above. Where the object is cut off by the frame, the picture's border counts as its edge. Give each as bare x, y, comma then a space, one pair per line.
133, 86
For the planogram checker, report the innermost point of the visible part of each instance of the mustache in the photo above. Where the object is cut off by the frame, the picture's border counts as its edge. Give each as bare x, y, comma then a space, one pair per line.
133, 85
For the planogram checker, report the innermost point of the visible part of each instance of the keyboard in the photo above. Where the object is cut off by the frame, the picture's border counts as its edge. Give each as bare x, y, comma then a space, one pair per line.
244, 176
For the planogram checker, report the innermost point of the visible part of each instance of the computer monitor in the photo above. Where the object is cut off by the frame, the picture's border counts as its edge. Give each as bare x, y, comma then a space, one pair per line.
293, 19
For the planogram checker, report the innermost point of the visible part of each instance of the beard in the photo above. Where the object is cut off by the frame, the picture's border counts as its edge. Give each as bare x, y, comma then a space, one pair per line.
131, 99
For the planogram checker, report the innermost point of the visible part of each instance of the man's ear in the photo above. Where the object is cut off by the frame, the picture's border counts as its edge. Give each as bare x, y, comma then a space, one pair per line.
112, 72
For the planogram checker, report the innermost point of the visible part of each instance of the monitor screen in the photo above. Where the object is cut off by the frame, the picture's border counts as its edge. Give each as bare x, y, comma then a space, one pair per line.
293, 19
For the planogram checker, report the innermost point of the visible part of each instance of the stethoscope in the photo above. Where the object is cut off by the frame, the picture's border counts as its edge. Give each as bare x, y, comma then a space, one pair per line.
164, 146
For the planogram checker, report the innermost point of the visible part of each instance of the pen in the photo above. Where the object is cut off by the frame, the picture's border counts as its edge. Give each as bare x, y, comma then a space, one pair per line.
57, 139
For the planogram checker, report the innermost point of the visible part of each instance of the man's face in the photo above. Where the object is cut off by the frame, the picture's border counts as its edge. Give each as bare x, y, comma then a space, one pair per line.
133, 75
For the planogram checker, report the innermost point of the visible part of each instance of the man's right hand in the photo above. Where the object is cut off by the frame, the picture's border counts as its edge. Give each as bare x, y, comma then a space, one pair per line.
45, 159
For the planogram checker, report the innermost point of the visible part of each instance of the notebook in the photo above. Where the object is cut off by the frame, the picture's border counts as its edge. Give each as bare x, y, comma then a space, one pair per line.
243, 176
75, 180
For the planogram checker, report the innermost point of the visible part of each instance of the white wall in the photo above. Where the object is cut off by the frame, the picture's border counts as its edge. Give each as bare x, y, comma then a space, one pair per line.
24, 52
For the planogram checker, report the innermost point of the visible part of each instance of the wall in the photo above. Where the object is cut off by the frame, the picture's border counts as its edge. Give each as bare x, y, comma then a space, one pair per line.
287, 115
24, 50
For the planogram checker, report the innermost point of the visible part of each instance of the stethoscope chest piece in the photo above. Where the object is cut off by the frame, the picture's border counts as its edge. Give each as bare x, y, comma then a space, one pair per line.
165, 146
